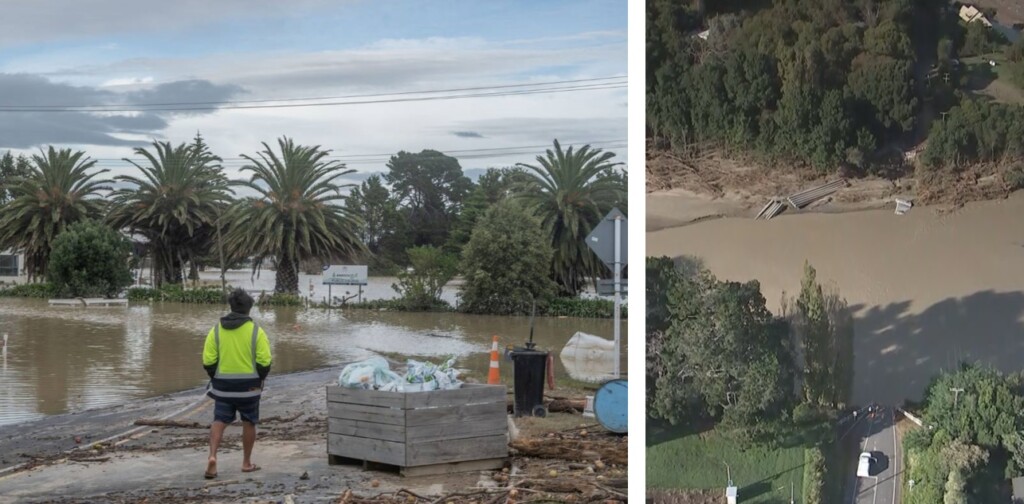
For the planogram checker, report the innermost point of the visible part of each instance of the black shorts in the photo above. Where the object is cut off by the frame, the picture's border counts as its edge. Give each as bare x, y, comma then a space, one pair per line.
225, 412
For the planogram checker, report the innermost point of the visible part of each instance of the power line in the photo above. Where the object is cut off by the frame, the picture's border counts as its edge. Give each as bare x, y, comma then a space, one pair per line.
320, 98
492, 150
384, 158
123, 108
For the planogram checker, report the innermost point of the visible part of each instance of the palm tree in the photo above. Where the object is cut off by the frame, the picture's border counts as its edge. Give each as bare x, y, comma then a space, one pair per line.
175, 204
298, 214
57, 191
571, 191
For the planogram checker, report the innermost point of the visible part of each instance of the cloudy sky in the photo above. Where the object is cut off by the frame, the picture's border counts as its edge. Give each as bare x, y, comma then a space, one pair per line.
489, 82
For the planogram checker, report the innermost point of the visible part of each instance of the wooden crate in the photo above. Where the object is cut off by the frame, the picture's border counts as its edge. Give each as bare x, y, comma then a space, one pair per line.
422, 433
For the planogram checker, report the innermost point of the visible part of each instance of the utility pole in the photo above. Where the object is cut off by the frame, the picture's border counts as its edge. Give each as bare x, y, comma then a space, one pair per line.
956, 395
728, 472
618, 290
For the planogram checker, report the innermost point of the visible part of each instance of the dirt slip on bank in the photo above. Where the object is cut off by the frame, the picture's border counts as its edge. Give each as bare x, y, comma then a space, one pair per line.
927, 289
84, 458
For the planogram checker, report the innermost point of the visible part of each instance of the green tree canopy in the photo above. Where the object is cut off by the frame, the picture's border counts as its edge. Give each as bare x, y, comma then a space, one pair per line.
11, 169
570, 197
175, 202
723, 356
59, 189
506, 263
298, 213
384, 229
89, 259
420, 287
431, 187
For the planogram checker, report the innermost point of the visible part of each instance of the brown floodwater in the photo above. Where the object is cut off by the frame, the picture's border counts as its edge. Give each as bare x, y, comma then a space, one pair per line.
69, 359
927, 289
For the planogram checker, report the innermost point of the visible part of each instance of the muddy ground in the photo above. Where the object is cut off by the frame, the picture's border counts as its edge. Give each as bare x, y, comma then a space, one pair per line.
102, 456
686, 189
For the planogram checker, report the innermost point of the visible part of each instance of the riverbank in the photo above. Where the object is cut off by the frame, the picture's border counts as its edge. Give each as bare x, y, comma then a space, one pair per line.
685, 191
927, 289
101, 456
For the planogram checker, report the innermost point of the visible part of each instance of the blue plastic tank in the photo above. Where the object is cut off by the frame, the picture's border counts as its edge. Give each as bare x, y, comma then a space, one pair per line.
611, 407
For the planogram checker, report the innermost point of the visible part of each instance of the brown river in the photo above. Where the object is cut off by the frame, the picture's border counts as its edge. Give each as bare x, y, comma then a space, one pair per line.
69, 359
927, 289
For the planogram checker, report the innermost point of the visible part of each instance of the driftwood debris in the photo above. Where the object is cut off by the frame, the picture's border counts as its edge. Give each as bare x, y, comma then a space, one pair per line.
611, 451
170, 423
559, 406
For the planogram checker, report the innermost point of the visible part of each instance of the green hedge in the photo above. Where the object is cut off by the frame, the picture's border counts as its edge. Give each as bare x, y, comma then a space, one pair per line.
814, 476
557, 307
394, 305
174, 293
583, 308
282, 299
31, 290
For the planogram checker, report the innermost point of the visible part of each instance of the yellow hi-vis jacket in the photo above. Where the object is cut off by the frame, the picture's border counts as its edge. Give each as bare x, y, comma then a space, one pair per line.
235, 354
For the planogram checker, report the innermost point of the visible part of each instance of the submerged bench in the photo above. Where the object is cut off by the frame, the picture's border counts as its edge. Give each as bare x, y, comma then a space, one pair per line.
88, 302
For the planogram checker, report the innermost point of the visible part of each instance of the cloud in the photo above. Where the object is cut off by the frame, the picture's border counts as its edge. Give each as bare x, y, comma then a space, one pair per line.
467, 134
51, 20
383, 66
22, 130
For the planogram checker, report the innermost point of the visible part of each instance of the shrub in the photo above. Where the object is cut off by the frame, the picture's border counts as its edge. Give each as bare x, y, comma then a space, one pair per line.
583, 308
420, 286
31, 290
391, 305
506, 264
814, 476
281, 299
174, 293
89, 259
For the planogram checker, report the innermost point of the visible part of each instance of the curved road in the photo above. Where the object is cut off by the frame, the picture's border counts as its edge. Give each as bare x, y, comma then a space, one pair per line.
877, 434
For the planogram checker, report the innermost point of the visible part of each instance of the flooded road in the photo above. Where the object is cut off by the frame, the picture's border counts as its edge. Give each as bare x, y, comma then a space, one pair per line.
69, 359
927, 289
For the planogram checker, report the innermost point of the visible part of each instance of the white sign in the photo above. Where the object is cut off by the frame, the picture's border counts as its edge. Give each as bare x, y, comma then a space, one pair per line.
345, 275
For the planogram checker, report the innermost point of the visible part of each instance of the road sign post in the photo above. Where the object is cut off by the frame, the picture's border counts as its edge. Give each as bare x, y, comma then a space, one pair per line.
606, 242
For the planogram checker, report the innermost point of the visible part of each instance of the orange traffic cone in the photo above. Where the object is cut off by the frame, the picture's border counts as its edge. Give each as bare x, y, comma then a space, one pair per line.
493, 376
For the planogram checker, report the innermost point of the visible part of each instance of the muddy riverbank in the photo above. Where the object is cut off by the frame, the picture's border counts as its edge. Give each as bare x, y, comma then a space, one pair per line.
102, 456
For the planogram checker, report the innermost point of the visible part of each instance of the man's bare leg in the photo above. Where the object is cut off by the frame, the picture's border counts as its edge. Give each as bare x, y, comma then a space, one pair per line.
216, 433
248, 440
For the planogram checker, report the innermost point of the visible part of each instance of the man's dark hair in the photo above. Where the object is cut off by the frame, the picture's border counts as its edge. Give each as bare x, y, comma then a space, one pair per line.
240, 301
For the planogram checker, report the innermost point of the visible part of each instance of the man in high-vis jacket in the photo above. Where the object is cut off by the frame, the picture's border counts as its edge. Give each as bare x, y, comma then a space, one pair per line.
237, 358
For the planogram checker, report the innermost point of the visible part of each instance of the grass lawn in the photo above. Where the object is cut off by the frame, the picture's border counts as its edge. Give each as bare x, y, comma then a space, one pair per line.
994, 81
693, 461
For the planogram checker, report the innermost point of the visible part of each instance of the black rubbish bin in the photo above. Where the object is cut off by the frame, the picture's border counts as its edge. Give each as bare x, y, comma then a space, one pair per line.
528, 369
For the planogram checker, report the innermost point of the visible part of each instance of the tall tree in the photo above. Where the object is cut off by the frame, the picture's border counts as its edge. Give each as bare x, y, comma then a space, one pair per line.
384, 230
11, 169
722, 355
570, 196
495, 185
59, 189
175, 203
431, 187
298, 213
505, 263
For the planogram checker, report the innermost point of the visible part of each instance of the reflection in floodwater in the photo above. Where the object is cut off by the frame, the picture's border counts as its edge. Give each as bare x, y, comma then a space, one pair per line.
64, 359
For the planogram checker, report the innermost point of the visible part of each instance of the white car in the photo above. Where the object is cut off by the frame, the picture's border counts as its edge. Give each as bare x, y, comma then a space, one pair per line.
864, 465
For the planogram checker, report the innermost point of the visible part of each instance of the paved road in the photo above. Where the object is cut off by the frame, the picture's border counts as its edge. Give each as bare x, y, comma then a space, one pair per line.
877, 434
